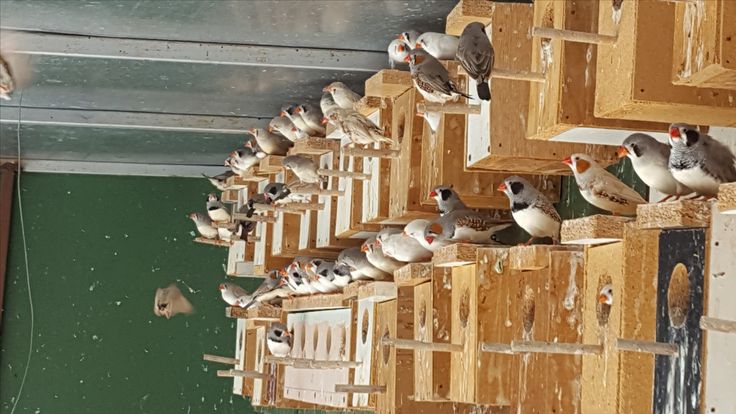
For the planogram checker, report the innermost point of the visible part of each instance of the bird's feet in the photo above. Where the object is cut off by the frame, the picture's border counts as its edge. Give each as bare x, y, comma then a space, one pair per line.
667, 198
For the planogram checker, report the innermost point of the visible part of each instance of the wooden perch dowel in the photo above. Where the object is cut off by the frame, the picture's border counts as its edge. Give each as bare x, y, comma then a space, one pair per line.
448, 108
277, 208
574, 36
240, 373
715, 324
220, 359
310, 363
520, 75
496, 348
556, 348
650, 347
421, 346
214, 242
255, 218
344, 174
370, 152
363, 389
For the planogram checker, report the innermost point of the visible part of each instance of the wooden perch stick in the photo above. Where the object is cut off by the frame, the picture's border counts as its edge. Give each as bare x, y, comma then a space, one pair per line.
370, 152
448, 108
556, 348
520, 75
496, 348
574, 36
420, 345
363, 389
240, 373
715, 324
214, 242
344, 174
650, 347
275, 208
255, 218
310, 363
220, 359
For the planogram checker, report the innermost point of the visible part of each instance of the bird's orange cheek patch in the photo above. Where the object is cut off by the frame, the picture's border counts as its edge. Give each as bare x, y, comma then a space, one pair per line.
581, 166
435, 228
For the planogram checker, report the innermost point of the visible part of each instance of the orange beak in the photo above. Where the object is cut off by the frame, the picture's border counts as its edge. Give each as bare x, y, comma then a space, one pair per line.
298, 109
407, 58
401, 48
364, 248
675, 133
325, 120
602, 299
567, 161
622, 152
418, 45
287, 333
502, 187
282, 114
282, 272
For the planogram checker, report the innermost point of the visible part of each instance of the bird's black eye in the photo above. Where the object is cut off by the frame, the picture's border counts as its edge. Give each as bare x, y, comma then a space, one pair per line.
516, 187
635, 149
691, 136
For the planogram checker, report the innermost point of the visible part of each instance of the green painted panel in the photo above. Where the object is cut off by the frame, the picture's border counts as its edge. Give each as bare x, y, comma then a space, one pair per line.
98, 248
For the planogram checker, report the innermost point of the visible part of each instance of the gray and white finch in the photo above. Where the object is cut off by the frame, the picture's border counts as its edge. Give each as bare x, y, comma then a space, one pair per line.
289, 111
409, 38
285, 127
466, 225
440, 45
231, 292
650, 159
279, 340
280, 193
417, 229
447, 199
312, 116
360, 267
357, 127
303, 167
699, 161
169, 301
606, 295
402, 247
397, 52
327, 105
216, 210
341, 273
475, 54
322, 277
245, 158
204, 225
376, 257
344, 97
220, 180
431, 78
270, 143
298, 279
531, 210
272, 287
601, 188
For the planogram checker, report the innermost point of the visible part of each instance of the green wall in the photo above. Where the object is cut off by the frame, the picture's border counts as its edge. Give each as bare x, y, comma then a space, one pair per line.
98, 248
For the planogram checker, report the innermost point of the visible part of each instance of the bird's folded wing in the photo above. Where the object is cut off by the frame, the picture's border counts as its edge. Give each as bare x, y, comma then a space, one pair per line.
611, 187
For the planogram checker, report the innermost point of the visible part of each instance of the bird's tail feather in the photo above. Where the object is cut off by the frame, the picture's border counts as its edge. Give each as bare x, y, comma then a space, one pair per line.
484, 91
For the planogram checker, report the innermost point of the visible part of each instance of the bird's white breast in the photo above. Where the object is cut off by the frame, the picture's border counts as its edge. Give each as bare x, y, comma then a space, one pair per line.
697, 180
656, 176
537, 223
279, 349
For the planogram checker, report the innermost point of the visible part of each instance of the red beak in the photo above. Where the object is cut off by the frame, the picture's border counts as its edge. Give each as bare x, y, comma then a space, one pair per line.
433, 194
622, 152
429, 239
567, 161
298, 109
407, 58
418, 45
222, 287
502, 187
675, 133
602, 299
325, 120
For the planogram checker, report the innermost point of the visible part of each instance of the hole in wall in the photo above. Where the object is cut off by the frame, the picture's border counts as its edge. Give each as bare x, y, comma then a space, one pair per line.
678, 295
259, 346
328, 340
423, 314
386, 349
602, 309
400, 127
528, 308
364, 327
464, 309
315, 339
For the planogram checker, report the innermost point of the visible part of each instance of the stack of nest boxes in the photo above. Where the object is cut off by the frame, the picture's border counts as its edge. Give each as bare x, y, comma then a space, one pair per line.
517, 329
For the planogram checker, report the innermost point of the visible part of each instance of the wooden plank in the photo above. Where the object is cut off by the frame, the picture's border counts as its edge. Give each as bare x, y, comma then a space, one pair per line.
676, 214
365, 337
375, 205
704, 45
385, 356
534, 257
314, 146
565, 103
388, 83
271, 164
453, 255
413, 274
466, 12
260, 313
727, 198
594, 229
313, 302
465, 332
646, 36
719, 356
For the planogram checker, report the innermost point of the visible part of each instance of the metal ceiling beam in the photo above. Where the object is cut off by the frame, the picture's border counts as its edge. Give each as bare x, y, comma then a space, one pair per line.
124, 120
33, 43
